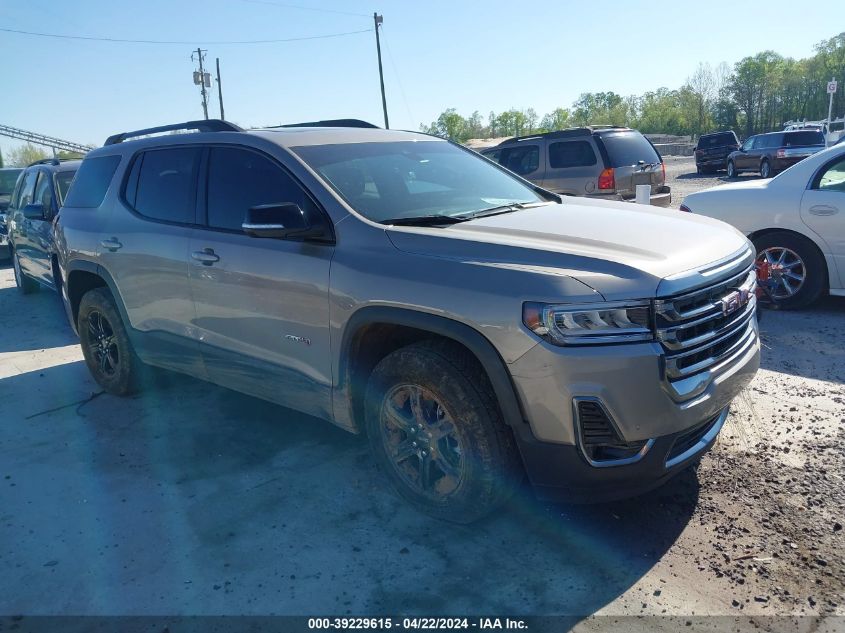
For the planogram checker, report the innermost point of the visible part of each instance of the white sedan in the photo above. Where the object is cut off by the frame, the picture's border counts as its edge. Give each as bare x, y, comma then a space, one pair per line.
796, 221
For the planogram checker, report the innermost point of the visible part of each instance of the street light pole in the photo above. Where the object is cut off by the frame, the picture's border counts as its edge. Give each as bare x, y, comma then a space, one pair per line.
377, 19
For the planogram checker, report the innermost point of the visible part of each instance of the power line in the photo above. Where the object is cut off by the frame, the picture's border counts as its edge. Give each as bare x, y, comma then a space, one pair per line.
296, 6
182, 42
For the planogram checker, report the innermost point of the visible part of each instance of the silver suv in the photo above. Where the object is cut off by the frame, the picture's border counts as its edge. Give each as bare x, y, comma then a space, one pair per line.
600, 161
474, 326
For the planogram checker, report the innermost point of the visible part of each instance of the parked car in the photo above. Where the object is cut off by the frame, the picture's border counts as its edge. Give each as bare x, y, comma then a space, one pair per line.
711, 151
768, 154
35, 203
796, 222
472, 324
8, 178
602, 162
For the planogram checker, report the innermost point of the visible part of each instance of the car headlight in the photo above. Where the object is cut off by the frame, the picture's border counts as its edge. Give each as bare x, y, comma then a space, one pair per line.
590, 324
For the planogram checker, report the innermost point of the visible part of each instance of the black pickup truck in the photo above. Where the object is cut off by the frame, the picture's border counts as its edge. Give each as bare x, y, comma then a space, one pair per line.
711, 152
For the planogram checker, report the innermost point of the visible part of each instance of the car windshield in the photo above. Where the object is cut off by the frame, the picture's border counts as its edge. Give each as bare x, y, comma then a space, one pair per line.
406, 179
628, 148
804, 137
63, 180
8, 178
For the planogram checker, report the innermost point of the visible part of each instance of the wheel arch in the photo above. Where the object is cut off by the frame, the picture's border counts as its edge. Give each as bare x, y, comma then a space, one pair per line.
373, 332
83, 276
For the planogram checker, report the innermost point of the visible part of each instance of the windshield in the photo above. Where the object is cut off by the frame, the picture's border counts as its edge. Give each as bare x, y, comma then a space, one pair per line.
406, 179
63, 180
8, 178
628, 148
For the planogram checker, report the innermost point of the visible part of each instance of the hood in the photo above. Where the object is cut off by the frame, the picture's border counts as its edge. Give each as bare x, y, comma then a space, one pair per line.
620, 249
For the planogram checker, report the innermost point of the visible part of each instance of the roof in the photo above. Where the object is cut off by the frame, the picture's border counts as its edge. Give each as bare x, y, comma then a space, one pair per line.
302, 136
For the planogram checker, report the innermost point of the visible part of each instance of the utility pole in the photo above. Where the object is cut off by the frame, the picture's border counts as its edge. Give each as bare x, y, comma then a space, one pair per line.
377, 19
201, 79
220, 90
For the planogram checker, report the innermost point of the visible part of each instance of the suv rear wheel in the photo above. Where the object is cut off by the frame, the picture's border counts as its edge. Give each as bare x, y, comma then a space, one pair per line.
24, 283
105, 344
436, 431
766, 169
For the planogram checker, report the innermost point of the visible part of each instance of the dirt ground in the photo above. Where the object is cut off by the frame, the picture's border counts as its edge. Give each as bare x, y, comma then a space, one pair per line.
191, 499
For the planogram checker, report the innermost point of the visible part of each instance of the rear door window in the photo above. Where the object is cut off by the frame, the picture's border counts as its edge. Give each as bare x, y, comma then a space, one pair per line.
44, 192
239, 179
628, 148
522, 159
166, 188
571, 154
833, 178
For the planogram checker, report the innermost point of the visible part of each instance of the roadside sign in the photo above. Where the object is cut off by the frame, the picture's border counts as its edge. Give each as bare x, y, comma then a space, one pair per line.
831, 87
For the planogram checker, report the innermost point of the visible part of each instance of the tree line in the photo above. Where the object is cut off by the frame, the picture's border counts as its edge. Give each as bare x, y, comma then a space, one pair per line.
758, 94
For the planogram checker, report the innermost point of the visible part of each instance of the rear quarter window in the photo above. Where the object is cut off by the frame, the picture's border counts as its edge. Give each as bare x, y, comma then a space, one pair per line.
571, 154
628, 148
91, 182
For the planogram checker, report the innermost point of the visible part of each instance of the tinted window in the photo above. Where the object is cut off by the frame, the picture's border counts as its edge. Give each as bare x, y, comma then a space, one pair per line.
628, 148
749, 142
63, 180
411, 178
493, 154
761, 141
91, 182
717, 140
833, 178
804, 137
522, 159
167, 184
44, 192
239, 179
571, 154
8, 178
27, 189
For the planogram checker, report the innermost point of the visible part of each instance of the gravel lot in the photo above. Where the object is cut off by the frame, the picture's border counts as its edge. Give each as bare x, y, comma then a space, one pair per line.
191, 499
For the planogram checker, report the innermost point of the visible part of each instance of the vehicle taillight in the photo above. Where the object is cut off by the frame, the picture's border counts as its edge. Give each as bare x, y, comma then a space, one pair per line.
684, 207
607, 180
781, 153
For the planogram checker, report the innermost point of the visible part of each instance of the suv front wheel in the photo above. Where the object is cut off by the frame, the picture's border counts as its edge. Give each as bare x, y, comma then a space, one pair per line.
105, 344
435, 429
731, 169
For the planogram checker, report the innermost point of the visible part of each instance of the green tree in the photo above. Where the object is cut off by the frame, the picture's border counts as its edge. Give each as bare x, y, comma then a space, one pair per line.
557, 119
26, 155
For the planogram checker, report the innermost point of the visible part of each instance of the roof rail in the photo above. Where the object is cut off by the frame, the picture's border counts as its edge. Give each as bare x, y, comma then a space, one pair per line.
331, 123
209, 125
51, 161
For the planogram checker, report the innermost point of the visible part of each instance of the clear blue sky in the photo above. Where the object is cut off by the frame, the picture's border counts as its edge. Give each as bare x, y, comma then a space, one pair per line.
490, 55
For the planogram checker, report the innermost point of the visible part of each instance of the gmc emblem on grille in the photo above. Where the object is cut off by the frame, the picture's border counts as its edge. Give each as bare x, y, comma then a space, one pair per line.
734, 301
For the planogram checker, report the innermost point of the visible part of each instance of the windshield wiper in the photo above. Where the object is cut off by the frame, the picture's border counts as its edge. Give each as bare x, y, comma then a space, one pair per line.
425, 220
502, 208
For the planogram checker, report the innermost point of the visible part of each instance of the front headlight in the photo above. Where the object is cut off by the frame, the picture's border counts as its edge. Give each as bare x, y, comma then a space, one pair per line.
590, 324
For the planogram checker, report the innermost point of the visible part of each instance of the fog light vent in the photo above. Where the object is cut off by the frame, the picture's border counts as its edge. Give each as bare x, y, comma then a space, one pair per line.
598, 439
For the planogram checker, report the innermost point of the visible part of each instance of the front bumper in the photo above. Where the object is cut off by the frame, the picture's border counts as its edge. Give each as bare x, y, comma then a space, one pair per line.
630, 383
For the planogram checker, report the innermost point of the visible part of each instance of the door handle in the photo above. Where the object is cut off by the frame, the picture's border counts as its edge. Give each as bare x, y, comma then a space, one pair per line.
111, 244
823, 209
206, 256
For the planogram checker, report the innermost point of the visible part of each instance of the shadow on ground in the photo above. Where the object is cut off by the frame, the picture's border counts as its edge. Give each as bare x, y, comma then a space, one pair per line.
809, 343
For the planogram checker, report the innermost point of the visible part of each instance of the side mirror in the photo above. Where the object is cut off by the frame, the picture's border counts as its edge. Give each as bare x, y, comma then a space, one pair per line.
34, 211
284, 220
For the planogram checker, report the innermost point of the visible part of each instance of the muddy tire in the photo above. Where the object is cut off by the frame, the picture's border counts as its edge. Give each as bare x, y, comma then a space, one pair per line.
105, 344
25, 284
798, 269
435, 429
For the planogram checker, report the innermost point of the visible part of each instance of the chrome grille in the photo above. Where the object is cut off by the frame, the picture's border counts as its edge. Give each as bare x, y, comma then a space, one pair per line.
701, 329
